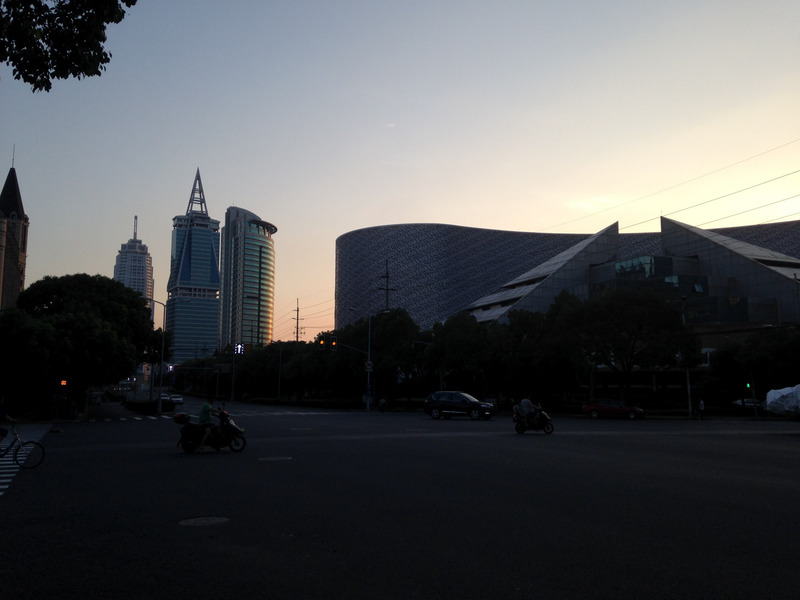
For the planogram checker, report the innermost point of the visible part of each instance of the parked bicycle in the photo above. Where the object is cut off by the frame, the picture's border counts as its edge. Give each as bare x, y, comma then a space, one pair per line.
28, 455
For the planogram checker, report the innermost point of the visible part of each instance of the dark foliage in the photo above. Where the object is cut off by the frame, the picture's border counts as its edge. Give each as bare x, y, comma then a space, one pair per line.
80, 329
45, 40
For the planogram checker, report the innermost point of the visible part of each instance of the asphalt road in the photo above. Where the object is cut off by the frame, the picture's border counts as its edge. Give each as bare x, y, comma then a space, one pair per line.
359, 505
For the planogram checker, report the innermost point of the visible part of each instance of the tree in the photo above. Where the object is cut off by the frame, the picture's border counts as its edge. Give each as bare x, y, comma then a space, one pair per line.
45, 40
459, 351
633, 328
81, 329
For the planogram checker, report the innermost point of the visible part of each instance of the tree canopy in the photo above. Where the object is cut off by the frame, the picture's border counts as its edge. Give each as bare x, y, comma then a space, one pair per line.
45, 40
81, 329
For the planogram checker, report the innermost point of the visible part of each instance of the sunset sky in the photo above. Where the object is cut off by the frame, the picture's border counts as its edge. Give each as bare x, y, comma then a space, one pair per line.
329, 116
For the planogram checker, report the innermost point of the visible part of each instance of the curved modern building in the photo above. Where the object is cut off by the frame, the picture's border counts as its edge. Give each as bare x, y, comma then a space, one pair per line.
247, 271
434, 271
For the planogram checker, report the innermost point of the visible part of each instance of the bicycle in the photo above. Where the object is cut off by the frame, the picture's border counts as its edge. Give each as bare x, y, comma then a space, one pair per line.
27, 455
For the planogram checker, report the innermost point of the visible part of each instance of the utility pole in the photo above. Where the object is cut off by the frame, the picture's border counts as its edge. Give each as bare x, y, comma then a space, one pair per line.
297, 324
386, 289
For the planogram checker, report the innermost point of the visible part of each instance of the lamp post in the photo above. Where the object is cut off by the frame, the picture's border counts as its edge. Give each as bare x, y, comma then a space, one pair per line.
161, 367
685, 360
368, 365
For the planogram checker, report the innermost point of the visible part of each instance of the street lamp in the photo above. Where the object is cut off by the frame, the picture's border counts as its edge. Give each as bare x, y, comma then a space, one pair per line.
161, 368
686, 360
368, 365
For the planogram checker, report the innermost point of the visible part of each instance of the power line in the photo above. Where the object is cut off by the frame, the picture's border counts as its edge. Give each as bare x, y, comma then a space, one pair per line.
675, 212
749, 210
672, 187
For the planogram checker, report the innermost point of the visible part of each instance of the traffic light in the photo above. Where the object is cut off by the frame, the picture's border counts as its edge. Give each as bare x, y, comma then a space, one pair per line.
333, 343
321, 343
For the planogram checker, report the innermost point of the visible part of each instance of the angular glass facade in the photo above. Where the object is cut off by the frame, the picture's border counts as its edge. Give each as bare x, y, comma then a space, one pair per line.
247, 272
193, 287
439, 270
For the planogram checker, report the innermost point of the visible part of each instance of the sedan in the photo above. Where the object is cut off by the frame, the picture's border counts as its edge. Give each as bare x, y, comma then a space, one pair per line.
447, 404
611, 408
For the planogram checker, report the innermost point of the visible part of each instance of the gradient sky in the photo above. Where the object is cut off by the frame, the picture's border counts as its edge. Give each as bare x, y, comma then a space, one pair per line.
329, 116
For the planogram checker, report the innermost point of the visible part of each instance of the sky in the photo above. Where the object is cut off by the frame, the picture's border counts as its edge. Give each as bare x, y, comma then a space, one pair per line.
323, 117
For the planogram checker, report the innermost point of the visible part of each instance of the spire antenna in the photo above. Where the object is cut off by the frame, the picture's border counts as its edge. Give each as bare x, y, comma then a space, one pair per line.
135, 225
197, 201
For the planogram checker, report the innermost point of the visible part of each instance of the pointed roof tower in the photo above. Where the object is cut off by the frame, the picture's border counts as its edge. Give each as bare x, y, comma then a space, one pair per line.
10, 198
197, 201
13, 241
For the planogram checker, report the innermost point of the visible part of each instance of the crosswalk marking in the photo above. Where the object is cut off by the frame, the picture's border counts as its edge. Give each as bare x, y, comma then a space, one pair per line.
8, 468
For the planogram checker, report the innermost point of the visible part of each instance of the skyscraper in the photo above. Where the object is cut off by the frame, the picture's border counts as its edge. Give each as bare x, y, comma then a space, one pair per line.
13, 241
134, 266
193, 287
247, 272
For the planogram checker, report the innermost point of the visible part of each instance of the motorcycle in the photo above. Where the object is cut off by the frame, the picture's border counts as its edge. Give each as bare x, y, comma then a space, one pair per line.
542, 422
226, 434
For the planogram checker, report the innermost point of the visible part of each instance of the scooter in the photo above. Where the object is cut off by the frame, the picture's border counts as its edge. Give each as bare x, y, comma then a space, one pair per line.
227, 434
542, 422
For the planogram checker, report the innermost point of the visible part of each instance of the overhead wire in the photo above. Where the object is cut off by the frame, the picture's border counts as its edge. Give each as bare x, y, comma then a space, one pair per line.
704, 202
674, 186
749, 210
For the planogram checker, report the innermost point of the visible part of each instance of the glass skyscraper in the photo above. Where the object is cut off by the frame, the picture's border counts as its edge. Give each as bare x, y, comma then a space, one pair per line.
247, 279
134, 265
193, 287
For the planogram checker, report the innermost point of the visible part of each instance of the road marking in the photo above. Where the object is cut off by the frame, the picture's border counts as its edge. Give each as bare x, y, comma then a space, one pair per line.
8, 468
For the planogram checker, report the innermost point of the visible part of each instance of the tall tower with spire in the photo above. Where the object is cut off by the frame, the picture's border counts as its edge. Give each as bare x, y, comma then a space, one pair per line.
193, 287
13, 241
134, 266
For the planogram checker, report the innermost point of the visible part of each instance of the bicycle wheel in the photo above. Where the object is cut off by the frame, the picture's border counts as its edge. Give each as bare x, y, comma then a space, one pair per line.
29, 455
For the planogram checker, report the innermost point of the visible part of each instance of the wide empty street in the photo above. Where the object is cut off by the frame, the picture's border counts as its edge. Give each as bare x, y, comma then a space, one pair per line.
361, 505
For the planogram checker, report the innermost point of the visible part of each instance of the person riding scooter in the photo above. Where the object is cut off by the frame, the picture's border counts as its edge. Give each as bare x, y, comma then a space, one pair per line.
530, 411
206, 412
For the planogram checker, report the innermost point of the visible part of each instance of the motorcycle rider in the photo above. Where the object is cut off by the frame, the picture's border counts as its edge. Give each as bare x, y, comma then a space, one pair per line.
530, 411
206, 412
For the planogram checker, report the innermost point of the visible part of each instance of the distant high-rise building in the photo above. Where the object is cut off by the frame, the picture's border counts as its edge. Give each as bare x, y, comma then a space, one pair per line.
247, 273
193, 287
134, 266
13, 241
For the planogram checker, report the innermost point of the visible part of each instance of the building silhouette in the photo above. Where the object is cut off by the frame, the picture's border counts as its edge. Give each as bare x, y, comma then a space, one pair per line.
746, 274
134, 265
247, 273
193, 289
13, 241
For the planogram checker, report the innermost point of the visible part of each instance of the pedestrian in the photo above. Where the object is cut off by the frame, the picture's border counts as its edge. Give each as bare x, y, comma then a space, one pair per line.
701, 407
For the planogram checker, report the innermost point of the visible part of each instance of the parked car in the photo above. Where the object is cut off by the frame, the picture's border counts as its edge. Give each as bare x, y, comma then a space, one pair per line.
176, 399
447, 404
748, 402
612, 408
